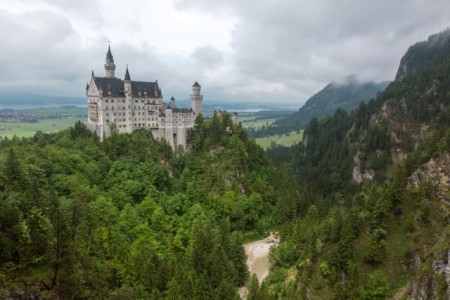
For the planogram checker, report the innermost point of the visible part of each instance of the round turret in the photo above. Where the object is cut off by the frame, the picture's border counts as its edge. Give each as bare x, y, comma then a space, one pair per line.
196, 98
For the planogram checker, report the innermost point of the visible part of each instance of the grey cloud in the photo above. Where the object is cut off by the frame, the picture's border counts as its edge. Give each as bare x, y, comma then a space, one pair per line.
305, 44
38, 46
283, 50
207, 55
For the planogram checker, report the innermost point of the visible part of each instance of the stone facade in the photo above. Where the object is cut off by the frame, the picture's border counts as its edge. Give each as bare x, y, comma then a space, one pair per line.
126, 105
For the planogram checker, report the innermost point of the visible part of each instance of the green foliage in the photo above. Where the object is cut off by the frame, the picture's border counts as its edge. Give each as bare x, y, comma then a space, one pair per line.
368, 241
128, 219
376, 288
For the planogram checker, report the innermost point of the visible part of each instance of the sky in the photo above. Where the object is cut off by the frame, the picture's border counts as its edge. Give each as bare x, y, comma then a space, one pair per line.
239, 50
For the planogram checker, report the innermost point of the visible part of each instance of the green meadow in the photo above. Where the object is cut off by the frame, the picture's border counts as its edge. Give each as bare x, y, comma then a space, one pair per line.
252, 121
265, 142
284, 139
25, 129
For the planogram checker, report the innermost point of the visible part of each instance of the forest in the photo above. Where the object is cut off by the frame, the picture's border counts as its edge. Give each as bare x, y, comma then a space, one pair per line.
361, 205
129, 219
381, 237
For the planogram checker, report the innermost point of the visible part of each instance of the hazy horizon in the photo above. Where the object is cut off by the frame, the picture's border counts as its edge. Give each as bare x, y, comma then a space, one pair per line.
242, 51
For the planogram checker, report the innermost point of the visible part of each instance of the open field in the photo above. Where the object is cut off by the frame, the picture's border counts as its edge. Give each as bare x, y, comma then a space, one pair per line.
23, 129
251, 121
285, 140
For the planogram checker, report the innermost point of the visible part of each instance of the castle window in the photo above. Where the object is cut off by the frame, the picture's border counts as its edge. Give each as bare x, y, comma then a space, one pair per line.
112, 101
123, 101
106, 100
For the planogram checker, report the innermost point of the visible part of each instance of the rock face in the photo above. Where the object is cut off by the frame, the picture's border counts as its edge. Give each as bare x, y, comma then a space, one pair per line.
358, 175
443, 266
437, 170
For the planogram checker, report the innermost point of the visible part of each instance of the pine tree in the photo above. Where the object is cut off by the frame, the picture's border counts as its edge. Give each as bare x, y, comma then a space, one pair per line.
253, 289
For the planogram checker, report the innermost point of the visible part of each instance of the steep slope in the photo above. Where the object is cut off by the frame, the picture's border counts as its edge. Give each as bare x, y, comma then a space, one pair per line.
424, 55
127, 219
373, 220
346, 94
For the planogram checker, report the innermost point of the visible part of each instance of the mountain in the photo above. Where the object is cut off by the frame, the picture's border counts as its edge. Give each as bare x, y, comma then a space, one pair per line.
346, 95
17, 99
373, 214
424, 55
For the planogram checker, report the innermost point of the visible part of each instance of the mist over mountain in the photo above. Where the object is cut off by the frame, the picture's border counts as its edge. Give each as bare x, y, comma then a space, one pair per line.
345, 94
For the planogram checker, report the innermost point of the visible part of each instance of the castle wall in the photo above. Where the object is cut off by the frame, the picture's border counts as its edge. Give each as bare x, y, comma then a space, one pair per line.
120, 105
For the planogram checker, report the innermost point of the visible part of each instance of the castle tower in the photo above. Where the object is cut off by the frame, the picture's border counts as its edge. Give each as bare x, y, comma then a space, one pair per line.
196, 98
127, 81
110, 67
235, 118
172, 102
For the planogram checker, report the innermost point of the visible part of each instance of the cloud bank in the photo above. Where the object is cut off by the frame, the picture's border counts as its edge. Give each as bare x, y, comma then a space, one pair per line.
278, 51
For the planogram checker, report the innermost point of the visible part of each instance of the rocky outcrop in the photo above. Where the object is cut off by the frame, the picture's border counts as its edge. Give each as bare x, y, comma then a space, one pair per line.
358, 175
437, 170
442, 266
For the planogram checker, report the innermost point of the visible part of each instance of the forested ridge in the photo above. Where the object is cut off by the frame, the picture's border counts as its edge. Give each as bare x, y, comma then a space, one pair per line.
375, 183
346, 95
127, 218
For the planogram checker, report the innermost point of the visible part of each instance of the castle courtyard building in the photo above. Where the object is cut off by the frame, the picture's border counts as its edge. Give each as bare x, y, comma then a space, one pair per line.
126, 105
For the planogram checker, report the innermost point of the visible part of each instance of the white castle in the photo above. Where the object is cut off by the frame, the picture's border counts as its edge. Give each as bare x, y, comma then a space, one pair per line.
126, 105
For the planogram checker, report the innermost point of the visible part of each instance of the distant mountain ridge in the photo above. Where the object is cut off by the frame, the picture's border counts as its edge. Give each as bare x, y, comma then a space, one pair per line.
12, 99
346, 95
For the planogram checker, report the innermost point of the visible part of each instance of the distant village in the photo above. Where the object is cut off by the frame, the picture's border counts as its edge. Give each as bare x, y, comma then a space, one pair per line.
35, 114
14, 116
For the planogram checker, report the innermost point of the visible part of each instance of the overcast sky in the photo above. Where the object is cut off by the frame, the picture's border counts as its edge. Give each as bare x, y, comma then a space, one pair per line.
258, 50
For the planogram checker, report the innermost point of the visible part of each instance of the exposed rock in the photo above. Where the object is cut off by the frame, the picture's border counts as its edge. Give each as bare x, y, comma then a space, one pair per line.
443, 266
437, 170
358, 175
422, 290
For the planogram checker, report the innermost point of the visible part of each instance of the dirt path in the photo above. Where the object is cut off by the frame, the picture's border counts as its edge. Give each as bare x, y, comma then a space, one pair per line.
258, 259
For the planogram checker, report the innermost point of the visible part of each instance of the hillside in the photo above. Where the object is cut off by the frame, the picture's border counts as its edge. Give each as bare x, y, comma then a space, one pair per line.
346, 95
128, 219
362, 207
373, 219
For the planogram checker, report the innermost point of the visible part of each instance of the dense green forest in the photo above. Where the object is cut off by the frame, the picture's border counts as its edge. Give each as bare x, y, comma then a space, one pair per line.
129, 219
362, 205
382, 235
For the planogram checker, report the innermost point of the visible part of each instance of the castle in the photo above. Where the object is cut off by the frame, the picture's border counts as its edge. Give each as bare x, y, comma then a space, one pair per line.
126, 105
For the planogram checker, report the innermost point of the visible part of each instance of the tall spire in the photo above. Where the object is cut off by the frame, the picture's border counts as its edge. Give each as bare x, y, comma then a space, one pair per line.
109, 56
110, 67
127, 74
